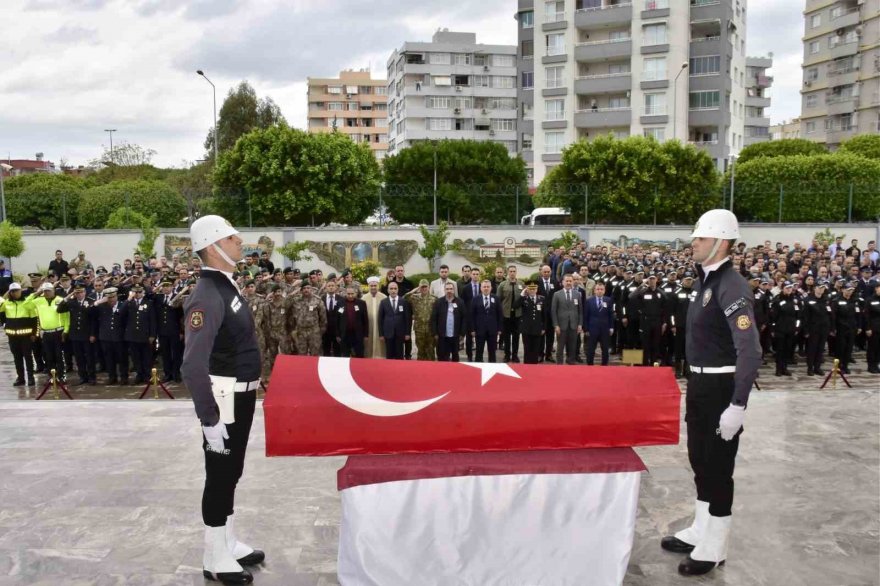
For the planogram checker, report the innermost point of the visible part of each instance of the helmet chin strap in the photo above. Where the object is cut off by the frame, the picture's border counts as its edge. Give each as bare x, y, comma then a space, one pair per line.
712, 253
223, 255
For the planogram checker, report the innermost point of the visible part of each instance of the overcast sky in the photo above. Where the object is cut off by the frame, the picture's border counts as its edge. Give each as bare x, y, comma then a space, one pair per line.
72, 68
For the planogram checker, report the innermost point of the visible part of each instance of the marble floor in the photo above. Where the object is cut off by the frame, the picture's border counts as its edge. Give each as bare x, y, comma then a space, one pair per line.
108, 492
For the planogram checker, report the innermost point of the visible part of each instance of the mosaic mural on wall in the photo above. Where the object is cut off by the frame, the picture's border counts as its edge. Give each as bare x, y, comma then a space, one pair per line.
182, 246
340, 255
526, 252
625, 241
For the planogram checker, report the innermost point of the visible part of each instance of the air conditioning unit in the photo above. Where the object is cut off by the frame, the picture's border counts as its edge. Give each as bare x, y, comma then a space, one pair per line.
840, 32
491, 132
457, 111
485, 68
808, 83
485, 111
458, 88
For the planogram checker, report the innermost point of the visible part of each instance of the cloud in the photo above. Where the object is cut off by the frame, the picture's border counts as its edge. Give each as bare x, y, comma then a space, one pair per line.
39, 5
72, 35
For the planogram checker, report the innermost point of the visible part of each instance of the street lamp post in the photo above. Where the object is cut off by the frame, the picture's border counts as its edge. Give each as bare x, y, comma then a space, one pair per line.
732, 179
110, 131
675, 99
435, 182
4, 168
216, 137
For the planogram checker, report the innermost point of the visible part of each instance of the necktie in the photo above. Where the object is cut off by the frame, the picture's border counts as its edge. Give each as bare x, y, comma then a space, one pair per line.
486, 302
598, 303
475, 289
568, 295
394, 305
329, 303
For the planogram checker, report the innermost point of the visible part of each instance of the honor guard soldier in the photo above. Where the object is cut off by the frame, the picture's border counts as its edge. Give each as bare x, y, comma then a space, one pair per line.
168, 329
872, 326
53, 328
221, 369
847, 322
532, 321
681, 302
111, 335
785, 321
20, 324
82, 332
140, 333
724, 355
817, 325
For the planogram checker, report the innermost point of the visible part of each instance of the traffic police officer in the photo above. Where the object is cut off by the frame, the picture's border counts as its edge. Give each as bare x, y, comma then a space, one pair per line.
724, 355
20, 319
53, 327
221, 369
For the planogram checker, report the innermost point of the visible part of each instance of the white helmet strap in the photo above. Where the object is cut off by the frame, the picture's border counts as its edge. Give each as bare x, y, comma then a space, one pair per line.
714, 250
223, 255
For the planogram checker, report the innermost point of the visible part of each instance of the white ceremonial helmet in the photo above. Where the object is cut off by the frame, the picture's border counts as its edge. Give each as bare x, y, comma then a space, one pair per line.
720, 224
209, 229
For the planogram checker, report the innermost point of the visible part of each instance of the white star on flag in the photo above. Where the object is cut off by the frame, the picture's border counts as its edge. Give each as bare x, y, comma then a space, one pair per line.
487, 371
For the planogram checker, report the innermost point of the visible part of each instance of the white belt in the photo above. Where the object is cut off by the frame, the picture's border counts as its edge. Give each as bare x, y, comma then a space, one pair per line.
245, 387
712, 369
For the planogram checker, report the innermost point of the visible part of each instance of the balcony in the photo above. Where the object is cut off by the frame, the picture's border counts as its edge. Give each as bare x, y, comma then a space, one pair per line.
838, 134
708, 117
849, 17
845, 49
603, 16
654, 114
603, 50
705, 10
757, 121
603, 84
763, 81
842, 75
703, 46
602, 118
757, 102
841, 104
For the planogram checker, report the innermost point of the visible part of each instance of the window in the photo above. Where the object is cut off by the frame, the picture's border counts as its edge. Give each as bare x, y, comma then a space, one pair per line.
352, 106
461, 80
618, 102
812, 74
437, 102
554, 11
708, 65
381, 90
810, 127
657, 133
439, 124
480, 60
503, 82
814, 47
401, 126
442, 80
481, 80
527, 141
836, 12
503, 60
815, 21
618, 68
654, 69
556, 44
553, 142
655, 104
461, 59
440, 58
554, 109
527, 49
654, 34
527, 19
528, 80
554, 76
619, 35
334, 89
502, 103
707, 100
463, 102
335, 106
656, 4
500, 124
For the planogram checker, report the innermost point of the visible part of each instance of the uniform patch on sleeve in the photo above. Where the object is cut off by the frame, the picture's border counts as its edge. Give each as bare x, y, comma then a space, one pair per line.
196, 319
743, 322
735, 306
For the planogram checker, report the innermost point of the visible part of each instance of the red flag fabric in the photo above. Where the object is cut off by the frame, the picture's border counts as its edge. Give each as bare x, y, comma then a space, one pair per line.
336, 406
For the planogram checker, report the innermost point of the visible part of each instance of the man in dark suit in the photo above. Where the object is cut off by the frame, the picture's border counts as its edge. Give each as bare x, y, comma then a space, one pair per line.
351, 324
395, 322
547, 287
566, 312
448, 324
469, 292
486, 321
532, 322
330, 344
598, 323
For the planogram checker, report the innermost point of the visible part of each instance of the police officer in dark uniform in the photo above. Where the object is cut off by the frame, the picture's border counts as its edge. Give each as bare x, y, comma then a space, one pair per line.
786, 321
170, 335
221, 369
847, 318
532, 322
872, 326
140, 332
724, 355
629, 308
816, 327
652, 320
762, 311
81, 333
682, 300
668, 289
110, 327
619, 295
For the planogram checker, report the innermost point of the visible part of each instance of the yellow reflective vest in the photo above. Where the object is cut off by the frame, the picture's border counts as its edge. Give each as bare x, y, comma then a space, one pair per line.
47, 314
21, 316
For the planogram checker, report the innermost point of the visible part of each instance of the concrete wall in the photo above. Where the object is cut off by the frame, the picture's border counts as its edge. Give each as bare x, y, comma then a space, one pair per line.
104, 247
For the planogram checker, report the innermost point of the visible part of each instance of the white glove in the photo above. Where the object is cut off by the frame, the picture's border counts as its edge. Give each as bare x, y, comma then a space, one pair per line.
215, 436
731, 421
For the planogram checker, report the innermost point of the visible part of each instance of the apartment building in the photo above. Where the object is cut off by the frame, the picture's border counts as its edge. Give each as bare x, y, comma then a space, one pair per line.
757, 120
452, 88
668, 69
783, 130
354, 104
841, 89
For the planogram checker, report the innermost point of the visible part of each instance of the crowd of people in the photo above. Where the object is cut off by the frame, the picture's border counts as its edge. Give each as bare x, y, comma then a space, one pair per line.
809, 302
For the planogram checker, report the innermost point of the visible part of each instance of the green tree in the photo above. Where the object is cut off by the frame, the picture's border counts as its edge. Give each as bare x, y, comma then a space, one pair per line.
477, 182
241, 113
195, 184
295, 251
632, 180
435, 244
566, 240
11, 241
781, 148
811, 188
147, 197
124, 154
364, 269
864, 145
43, 201
126, 219
290, 177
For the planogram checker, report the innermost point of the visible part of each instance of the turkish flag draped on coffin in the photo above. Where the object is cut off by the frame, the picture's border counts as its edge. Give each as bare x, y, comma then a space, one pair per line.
337, 406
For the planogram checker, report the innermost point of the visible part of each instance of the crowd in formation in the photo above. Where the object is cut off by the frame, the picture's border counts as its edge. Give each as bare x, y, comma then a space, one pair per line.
808, 302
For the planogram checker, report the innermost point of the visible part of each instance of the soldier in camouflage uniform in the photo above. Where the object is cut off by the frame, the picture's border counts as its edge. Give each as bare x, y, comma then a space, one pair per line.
422, 304
255, 304
274, 322
308, 321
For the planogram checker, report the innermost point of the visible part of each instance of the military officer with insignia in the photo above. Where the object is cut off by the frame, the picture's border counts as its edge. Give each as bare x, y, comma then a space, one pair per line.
140, 332
110, 328
724, 354
532, 321
170, 334
221, 369
81, 333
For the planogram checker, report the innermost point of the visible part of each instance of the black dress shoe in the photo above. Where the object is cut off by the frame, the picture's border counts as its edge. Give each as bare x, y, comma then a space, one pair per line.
19, 382
819, 372
515, 360
692, 567
252, 559
138, 381
786, 373
31, 381
80, 382
123, 382
675, 545
166, 379
243, 577
112, 381
549, 359
810, 373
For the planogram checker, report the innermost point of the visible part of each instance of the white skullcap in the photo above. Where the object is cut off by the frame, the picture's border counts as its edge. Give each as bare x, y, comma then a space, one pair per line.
372, 280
